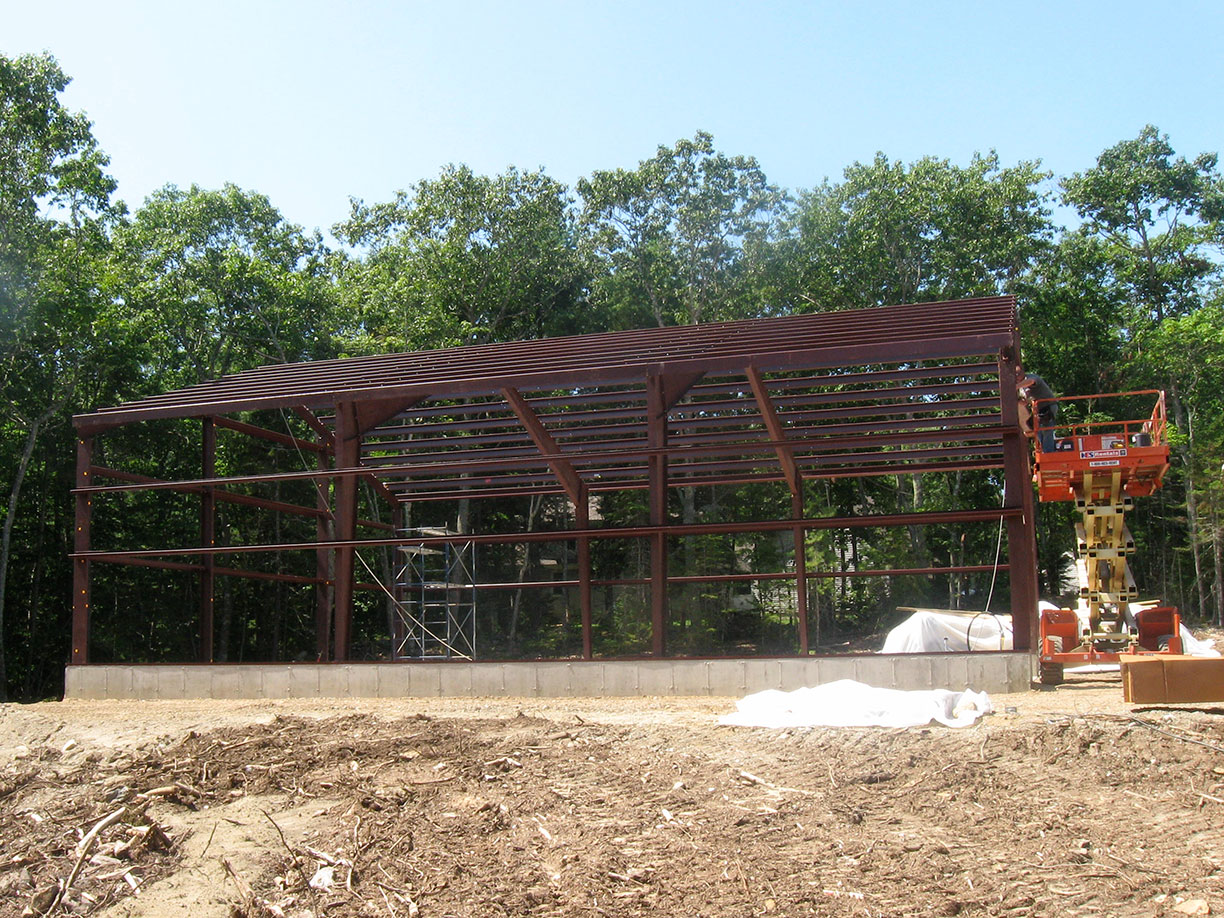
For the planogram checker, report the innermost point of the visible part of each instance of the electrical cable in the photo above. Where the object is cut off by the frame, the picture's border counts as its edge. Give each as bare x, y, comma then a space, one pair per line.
973, 621
994, 575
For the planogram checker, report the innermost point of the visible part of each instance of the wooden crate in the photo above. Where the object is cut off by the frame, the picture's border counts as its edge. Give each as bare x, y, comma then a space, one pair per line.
1171, 678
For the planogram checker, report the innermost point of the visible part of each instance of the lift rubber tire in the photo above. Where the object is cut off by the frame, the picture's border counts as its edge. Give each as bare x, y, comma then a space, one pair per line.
1051, 673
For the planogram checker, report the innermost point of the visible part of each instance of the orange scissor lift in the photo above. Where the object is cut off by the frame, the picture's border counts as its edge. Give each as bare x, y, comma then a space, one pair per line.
1103, 466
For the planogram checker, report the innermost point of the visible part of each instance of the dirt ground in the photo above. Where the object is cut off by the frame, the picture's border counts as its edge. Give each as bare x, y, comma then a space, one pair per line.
1063, 802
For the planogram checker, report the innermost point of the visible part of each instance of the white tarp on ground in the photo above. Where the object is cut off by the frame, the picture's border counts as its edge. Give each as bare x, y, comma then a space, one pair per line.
1196, 648
936, 632
846, 703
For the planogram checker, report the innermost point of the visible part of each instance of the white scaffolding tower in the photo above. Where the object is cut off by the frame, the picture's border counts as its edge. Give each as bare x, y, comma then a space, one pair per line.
435, 593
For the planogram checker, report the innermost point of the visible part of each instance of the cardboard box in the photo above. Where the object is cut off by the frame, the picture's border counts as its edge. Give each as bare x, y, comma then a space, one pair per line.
1171, 678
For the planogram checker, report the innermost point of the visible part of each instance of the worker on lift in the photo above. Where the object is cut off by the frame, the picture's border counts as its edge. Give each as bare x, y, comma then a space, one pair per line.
1034, 389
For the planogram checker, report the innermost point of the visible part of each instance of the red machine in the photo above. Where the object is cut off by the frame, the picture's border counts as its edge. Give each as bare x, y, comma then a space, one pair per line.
1102, 465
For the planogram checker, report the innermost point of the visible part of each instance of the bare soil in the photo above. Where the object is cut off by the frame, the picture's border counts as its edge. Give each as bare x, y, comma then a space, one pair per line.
1063, 802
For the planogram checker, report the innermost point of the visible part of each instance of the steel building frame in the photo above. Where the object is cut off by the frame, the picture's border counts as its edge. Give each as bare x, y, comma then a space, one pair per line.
897, 390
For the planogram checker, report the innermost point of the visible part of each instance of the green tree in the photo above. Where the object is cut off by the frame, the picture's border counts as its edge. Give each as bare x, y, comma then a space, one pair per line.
890, 233
671, 241
219, 281
1072, 317
54, 212
1158, 218
1190, 349
464, 259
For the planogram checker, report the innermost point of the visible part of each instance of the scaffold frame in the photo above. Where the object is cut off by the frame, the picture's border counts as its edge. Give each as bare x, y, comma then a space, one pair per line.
435, 596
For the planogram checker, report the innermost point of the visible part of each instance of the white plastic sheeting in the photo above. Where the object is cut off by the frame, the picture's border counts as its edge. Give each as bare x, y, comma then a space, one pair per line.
846, 703
932, 632
1196, 648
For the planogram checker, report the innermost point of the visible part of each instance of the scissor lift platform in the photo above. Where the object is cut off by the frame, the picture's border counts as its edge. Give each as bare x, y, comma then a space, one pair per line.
1083, 459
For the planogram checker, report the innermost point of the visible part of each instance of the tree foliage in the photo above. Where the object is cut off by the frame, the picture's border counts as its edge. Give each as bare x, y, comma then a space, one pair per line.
219, 281
667, 241
464, 259
55, 214
1158, 216
896, 233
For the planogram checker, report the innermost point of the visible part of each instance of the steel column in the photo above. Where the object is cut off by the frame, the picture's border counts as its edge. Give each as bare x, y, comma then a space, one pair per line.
656, 439
398, 631
1018, 495
208, 538
801, 605
348, 456
582, 519
81, 588
323, 563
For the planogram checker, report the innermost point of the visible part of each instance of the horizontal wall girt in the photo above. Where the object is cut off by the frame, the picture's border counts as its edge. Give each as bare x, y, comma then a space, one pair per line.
986, 435
939, 517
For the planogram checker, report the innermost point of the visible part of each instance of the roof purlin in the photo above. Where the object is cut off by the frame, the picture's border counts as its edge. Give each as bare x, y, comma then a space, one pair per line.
972, 345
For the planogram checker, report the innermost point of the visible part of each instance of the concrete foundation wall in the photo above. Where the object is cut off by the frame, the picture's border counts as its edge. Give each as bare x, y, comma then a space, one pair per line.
989, 672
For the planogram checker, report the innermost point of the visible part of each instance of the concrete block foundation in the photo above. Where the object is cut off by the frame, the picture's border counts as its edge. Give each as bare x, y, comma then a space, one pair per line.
989, 672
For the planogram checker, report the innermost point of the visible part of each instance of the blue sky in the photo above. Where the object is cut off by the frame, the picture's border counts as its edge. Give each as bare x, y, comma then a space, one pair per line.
313, 102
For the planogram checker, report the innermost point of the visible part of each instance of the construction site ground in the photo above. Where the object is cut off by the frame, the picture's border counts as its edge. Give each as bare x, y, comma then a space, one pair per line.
1065, 801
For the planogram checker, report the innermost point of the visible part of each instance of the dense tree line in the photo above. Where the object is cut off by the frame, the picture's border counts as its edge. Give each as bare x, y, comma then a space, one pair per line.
99, 304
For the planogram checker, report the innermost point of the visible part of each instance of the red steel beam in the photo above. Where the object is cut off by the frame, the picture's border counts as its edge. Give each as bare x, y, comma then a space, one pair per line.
777, 433
931, 518
326, 438
226, 497
208, 537
223, 571
262, 433
747, 578
80, 565
546, 445
219, 570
